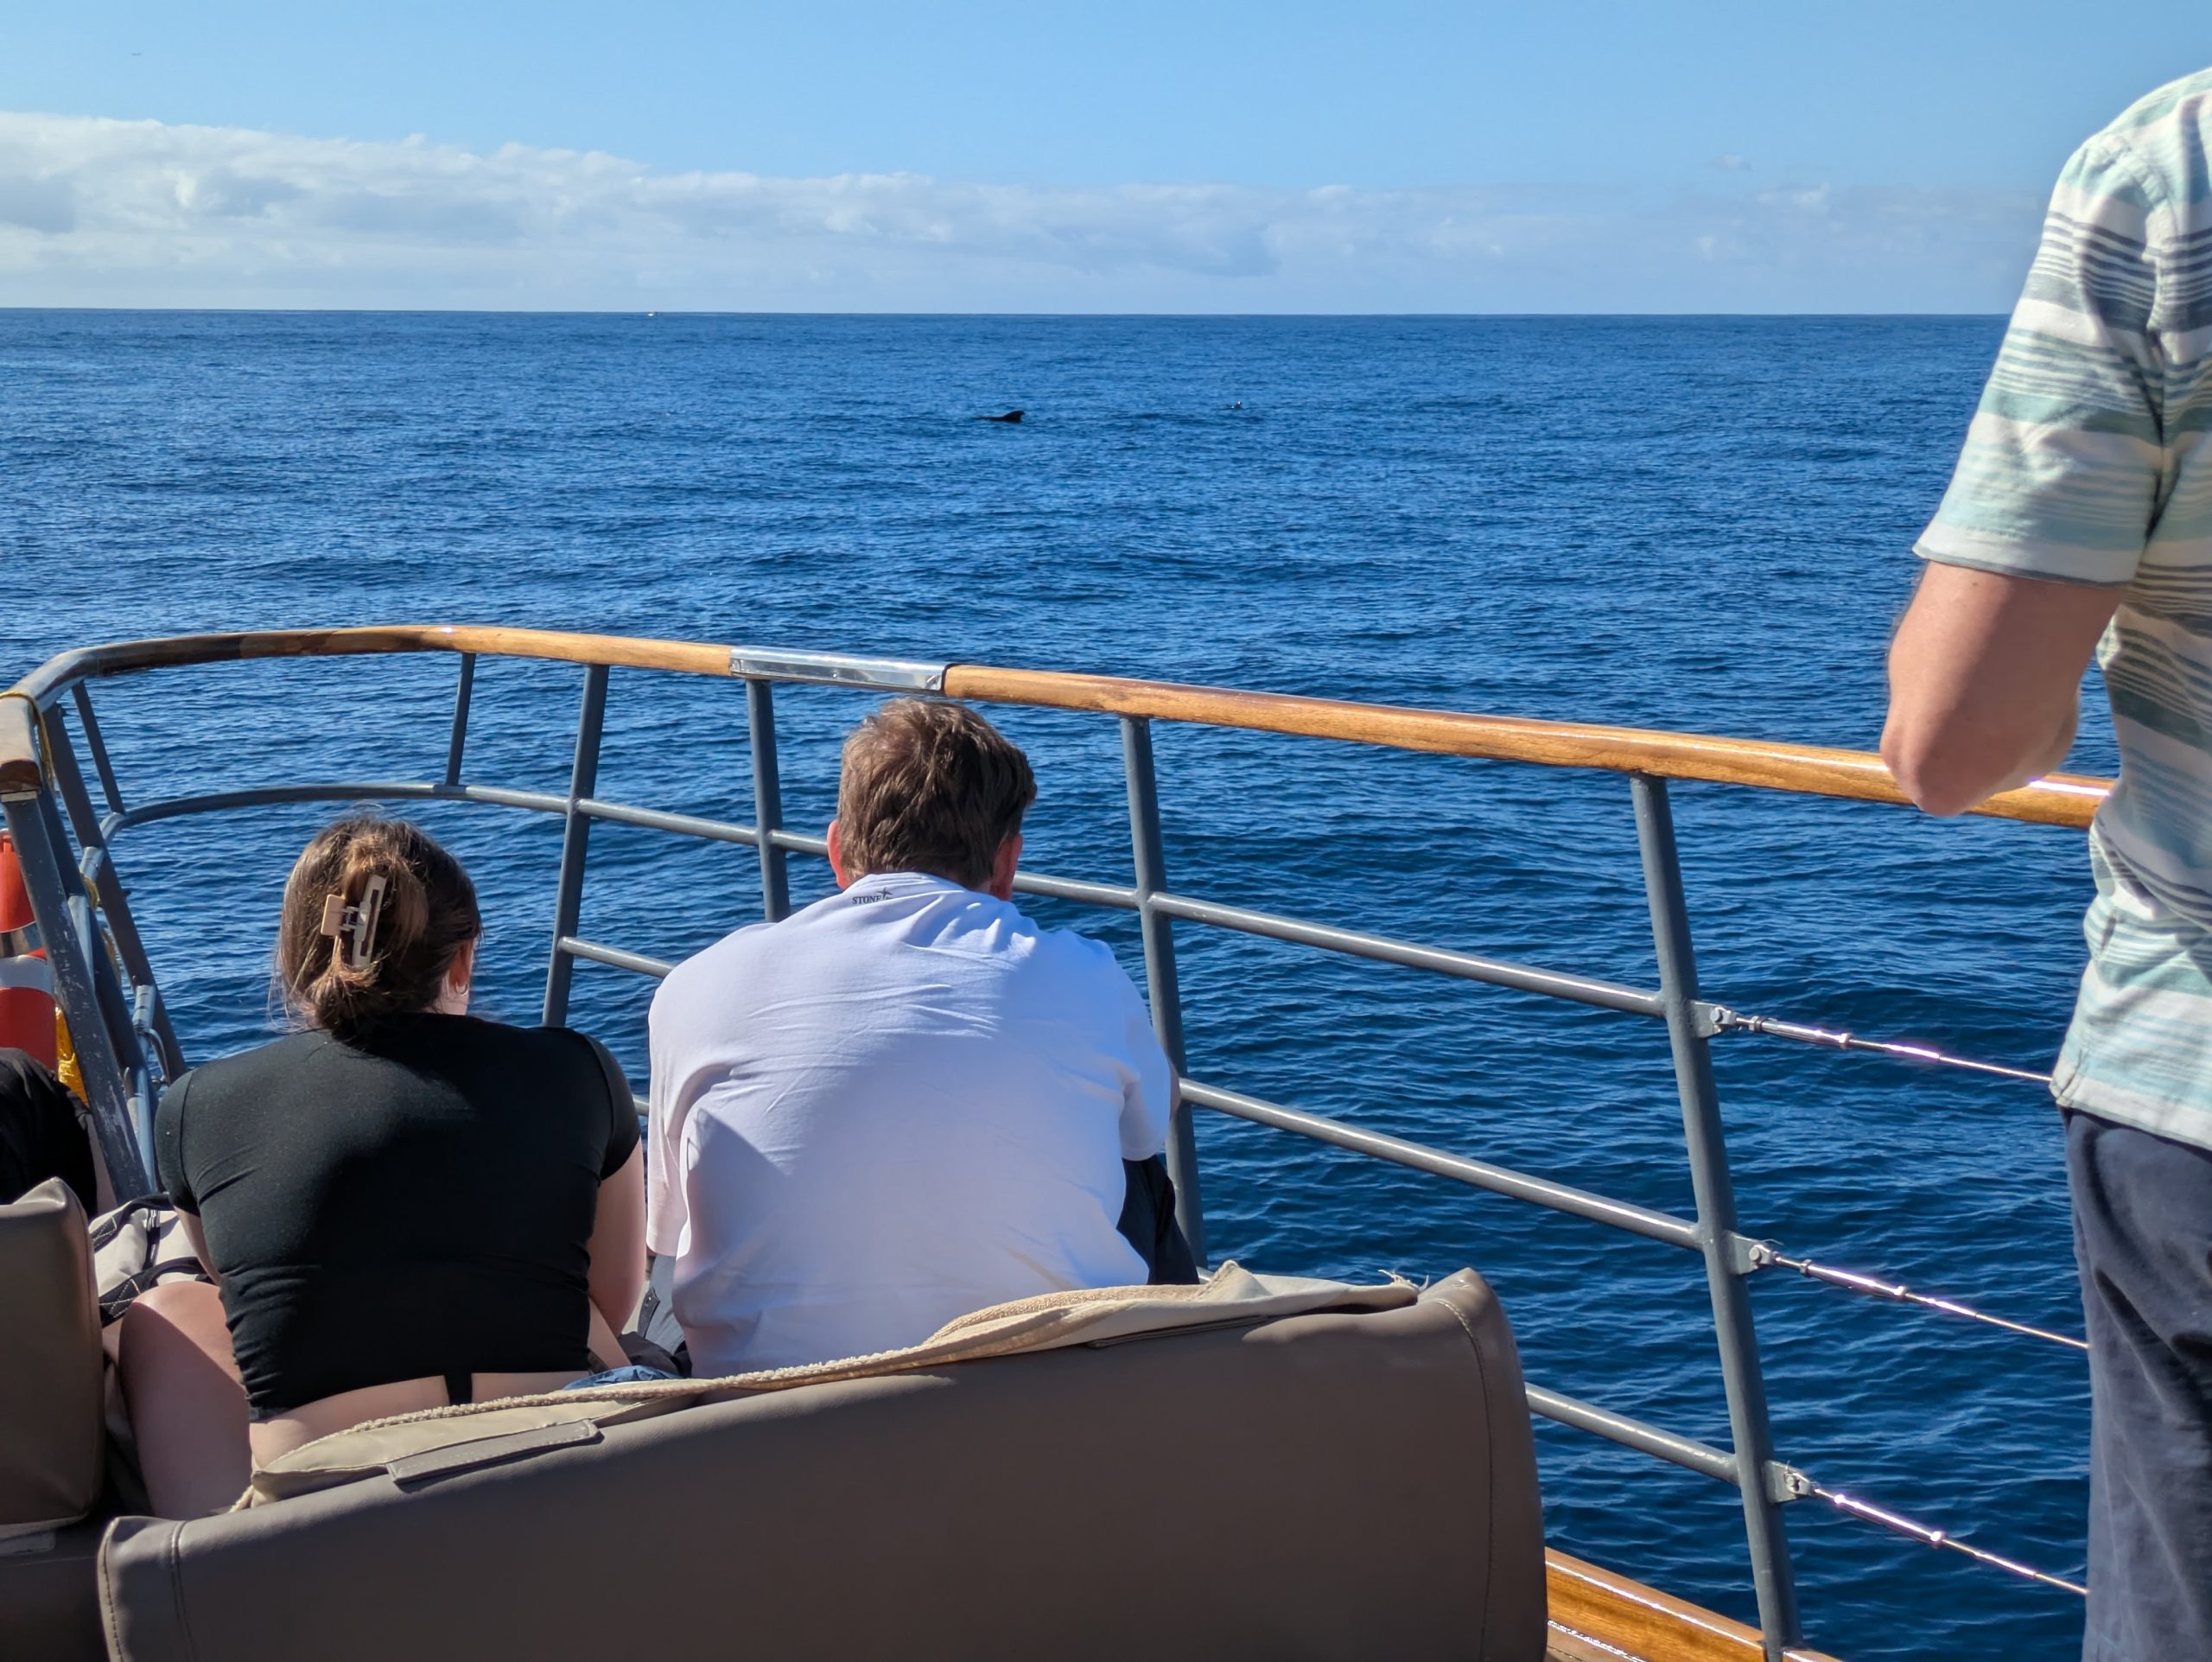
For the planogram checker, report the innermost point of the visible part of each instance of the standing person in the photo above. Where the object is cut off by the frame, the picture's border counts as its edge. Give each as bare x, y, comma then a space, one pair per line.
405, 1206
2081, 511
907, 1101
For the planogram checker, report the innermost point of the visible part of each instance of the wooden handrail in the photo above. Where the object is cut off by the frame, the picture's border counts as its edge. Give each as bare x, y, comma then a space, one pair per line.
2060, 800
169, 652
19, 757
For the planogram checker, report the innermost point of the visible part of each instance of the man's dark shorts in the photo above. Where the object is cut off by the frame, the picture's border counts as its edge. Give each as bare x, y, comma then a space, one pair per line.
1147, 1222
2143, 1235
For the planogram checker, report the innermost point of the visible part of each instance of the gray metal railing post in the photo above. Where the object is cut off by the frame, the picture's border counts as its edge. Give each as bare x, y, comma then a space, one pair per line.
767, 798
117, 1021
1773, 1580
97, 868
458, 742
1163, 992
575, 840
118, 1026
97, 746
50, 878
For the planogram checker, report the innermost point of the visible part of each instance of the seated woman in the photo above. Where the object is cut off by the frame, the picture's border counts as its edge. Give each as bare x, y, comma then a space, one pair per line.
403, 1206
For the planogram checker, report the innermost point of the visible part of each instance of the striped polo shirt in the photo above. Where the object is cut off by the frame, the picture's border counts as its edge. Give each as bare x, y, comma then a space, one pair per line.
2088, 462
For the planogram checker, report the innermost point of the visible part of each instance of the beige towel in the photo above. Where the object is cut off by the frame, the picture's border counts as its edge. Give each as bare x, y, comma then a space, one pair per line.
1084, 1316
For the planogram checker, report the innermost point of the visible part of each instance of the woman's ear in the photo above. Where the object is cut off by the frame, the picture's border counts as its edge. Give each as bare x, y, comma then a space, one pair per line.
453, 997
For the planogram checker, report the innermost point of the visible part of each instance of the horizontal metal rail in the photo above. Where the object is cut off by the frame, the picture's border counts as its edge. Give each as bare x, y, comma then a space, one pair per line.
1639, 1434
1478, 1174
683, 824
614, 957
1467, 966
267, 796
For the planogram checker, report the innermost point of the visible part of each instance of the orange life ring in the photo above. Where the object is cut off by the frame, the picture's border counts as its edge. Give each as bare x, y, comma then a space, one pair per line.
27, 1014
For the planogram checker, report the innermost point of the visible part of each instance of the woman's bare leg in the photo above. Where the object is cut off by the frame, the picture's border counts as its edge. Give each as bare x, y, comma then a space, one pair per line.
187, 1407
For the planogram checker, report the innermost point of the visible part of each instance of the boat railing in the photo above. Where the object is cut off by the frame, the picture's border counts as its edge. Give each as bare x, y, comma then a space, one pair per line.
127, 1047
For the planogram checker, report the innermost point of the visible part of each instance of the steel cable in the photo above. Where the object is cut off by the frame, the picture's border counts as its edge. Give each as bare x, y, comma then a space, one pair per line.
1764, 1255
1728, 1021
1922, 1532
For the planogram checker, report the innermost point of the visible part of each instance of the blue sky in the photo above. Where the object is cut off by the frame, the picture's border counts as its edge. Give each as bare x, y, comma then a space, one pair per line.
1208, 157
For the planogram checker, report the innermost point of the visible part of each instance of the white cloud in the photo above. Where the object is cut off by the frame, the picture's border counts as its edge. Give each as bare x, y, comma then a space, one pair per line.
139, 212
1731, 162
1808, 199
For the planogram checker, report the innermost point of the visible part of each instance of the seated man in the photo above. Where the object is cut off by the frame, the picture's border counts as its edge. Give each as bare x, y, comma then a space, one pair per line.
907, 1101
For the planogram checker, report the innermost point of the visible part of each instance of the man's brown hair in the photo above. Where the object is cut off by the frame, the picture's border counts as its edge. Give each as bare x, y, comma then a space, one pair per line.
928, 786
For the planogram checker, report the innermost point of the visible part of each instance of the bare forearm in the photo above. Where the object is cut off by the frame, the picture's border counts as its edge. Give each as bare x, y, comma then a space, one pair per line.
615, 1290
618, 1242
1985, 683
1948, 772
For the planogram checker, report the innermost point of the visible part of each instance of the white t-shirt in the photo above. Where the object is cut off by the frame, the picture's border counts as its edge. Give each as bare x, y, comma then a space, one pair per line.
902, 1104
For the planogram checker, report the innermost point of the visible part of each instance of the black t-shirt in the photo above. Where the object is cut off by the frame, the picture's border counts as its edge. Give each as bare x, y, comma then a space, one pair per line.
416, 1202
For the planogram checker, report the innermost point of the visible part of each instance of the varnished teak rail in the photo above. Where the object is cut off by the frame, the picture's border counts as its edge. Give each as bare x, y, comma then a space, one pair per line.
2060, 800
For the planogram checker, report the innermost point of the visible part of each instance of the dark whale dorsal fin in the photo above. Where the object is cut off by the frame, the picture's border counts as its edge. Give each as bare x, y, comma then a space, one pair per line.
1011, 415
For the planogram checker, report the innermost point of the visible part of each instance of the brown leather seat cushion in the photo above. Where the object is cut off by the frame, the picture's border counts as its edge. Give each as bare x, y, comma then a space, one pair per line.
1326, 1485
49, 1596
52, 1447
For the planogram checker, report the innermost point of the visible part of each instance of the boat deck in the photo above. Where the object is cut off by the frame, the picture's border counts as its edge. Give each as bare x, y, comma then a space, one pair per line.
1572, 1648
1599, 1617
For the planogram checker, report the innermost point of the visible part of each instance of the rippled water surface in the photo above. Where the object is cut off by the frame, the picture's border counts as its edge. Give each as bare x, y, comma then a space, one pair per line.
1697, 523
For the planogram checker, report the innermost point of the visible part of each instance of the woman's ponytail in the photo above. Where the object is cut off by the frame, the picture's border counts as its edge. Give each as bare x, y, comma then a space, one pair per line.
374, 912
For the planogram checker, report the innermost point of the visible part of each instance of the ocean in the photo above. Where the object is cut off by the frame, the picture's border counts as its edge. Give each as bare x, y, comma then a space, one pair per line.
1701, 523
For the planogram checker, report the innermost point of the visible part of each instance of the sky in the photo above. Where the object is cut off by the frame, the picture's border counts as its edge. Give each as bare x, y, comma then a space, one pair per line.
1798, 155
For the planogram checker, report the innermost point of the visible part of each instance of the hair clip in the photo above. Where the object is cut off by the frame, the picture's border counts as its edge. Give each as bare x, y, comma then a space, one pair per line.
356, 924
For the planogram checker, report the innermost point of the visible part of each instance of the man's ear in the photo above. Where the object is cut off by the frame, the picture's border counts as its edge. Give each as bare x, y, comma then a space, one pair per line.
836, 857
1004, 865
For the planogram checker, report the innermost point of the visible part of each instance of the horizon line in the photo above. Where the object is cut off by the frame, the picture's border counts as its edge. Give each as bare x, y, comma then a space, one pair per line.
1224, 317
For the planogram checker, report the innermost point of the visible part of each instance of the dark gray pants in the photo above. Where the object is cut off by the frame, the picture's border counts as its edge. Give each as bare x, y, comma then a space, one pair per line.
2143, 1236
